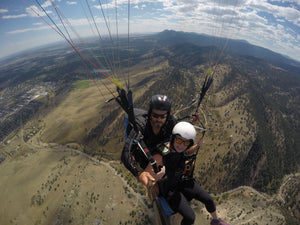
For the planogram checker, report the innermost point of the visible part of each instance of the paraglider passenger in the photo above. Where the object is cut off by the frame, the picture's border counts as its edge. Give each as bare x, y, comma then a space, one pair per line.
177, 188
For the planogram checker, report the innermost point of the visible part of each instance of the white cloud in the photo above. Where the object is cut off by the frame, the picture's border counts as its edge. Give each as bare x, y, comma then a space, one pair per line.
287, 13
288, 1
34, 11
46, 4
27, 30
3, 10
31, 11
14, 16
71, 3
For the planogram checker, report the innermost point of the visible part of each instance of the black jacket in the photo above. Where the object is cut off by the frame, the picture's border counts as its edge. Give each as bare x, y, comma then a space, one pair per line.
132, 157
174, 163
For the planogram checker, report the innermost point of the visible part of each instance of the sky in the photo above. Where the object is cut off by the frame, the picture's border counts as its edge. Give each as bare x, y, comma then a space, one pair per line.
274, 25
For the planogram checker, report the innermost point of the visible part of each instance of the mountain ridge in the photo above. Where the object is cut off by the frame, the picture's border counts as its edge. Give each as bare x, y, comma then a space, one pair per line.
240, 47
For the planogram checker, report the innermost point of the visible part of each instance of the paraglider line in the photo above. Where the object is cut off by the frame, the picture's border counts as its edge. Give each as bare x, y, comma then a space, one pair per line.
86, 67
73, 46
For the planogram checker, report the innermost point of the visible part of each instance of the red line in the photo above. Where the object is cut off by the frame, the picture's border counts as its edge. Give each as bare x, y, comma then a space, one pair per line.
75, 48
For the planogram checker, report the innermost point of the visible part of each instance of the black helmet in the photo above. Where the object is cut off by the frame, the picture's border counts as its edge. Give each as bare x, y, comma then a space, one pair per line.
160, 102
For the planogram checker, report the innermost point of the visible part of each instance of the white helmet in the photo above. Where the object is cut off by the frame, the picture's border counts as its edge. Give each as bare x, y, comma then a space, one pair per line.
185, 130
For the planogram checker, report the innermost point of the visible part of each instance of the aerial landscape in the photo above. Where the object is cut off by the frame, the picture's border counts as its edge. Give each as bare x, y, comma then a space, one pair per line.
62, 130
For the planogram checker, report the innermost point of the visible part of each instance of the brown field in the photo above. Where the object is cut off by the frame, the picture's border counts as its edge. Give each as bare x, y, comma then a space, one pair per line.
58, 187
64, 187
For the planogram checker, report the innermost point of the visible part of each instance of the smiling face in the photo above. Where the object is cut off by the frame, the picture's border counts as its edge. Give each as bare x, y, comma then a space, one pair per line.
181, 144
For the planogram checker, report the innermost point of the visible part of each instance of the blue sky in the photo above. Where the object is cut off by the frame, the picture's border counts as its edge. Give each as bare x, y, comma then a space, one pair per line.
271, 24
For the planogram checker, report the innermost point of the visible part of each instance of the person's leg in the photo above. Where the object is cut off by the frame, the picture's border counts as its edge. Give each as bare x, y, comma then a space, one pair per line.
194, 191
180, 204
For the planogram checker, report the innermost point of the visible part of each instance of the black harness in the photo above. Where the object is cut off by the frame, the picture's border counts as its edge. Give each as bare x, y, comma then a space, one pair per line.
125, 101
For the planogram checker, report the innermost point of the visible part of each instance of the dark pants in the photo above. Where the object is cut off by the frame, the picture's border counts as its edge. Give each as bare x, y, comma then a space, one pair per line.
179, 201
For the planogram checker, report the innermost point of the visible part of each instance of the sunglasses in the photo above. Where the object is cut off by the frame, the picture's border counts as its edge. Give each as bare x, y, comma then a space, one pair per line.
156, 116
180, 141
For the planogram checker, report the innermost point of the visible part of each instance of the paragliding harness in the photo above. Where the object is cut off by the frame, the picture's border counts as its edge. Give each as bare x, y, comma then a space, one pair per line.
125, 101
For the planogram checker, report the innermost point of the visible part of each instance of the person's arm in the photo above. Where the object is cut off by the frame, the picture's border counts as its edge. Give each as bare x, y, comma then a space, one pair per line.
142, 176
126, 158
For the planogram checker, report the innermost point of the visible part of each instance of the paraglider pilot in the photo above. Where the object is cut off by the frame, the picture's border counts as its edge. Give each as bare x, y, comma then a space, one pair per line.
156, 127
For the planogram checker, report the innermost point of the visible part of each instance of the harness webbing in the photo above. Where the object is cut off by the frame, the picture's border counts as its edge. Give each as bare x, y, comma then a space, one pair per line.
125, 101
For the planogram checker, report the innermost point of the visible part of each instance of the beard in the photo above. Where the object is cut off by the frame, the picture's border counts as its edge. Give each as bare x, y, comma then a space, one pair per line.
156, 124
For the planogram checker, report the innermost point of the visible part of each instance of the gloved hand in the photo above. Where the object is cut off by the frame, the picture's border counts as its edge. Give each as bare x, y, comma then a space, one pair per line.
195, 118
